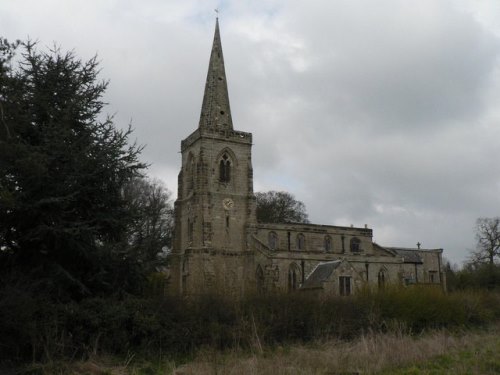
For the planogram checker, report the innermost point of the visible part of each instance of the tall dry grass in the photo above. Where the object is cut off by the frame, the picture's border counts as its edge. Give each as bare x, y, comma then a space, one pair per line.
368, 354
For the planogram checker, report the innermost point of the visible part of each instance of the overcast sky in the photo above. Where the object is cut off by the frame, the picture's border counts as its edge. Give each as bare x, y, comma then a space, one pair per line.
384, 113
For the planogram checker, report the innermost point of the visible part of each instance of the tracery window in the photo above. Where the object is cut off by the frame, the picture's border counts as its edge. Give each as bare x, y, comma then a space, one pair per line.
355, 245
328, 243
225, 168
301, 241
272, 240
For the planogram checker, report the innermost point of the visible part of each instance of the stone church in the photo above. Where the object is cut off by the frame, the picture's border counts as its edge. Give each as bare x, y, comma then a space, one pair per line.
220, 248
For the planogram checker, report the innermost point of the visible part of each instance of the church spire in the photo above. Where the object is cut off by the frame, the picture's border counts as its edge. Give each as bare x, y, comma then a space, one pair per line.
215, 111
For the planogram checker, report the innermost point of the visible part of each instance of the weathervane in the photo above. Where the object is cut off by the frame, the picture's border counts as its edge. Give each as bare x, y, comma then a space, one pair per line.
216, 10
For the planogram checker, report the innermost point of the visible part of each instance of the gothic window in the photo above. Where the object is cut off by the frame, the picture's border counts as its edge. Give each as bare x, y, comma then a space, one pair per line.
293, 277
328, 243
225, 168
355, 245
272, 240
344, 285
301, 241
381, 279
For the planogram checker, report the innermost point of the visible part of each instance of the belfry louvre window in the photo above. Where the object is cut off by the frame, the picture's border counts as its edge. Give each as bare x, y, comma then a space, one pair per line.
224, 169
344, 285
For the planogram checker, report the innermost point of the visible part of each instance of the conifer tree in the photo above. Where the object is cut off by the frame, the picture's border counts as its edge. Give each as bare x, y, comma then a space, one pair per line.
63, 168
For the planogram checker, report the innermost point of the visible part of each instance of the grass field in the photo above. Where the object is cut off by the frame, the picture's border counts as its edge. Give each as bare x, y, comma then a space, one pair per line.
438, 352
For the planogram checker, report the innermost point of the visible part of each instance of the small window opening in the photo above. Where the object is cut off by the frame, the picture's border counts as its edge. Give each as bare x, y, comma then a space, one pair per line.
227, 221
222, 112
328, 243
355, 245
190, 231
272, 240
301, 240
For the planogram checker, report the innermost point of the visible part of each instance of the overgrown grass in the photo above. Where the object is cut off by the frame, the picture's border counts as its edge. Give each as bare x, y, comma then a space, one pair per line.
37, 330
435, 352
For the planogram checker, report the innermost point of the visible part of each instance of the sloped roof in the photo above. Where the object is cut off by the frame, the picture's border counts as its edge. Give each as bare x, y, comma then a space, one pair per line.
320, 274
409, 255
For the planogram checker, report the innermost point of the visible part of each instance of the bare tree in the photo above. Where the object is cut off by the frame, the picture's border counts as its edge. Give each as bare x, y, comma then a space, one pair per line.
488, 240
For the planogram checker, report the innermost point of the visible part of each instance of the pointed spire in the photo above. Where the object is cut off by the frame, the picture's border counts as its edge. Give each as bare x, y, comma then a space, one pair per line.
215, 111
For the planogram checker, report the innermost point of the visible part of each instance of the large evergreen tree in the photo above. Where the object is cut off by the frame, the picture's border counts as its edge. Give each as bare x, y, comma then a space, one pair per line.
63, 168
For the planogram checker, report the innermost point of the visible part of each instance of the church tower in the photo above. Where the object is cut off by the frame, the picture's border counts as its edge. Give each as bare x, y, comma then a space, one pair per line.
215, 202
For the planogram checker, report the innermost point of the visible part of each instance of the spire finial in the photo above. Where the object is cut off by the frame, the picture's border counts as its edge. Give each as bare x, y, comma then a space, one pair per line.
216, 10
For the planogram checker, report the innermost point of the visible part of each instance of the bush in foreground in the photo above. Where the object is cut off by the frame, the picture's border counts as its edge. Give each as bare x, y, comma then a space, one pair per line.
35, 329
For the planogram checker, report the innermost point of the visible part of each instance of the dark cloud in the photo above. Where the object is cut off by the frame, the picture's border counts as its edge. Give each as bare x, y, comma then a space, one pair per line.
376, 113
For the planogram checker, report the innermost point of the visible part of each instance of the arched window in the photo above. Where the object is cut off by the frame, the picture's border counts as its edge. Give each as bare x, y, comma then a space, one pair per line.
355, 245
301, 241
381, 279
272, 240
225, 168
328, 243
293, 277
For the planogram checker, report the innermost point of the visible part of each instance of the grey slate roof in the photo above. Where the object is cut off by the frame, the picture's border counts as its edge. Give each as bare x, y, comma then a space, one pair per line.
320, 274
409, 255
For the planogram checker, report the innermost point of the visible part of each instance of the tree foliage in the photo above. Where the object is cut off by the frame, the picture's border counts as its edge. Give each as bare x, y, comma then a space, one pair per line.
150, 232
63, 168
280, 207
488, 240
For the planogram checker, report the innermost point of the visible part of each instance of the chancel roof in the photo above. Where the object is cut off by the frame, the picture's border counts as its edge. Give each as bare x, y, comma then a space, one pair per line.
409, 255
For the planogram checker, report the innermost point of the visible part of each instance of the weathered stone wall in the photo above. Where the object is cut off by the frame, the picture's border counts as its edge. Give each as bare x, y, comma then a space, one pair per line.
315, 236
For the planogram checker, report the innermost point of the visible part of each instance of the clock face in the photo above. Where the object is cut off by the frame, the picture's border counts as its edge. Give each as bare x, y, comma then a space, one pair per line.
228, 203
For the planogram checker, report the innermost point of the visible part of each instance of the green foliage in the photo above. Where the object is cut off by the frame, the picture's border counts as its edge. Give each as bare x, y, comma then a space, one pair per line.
483, 360
280, 207
43, 330
63, 217
474, 276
